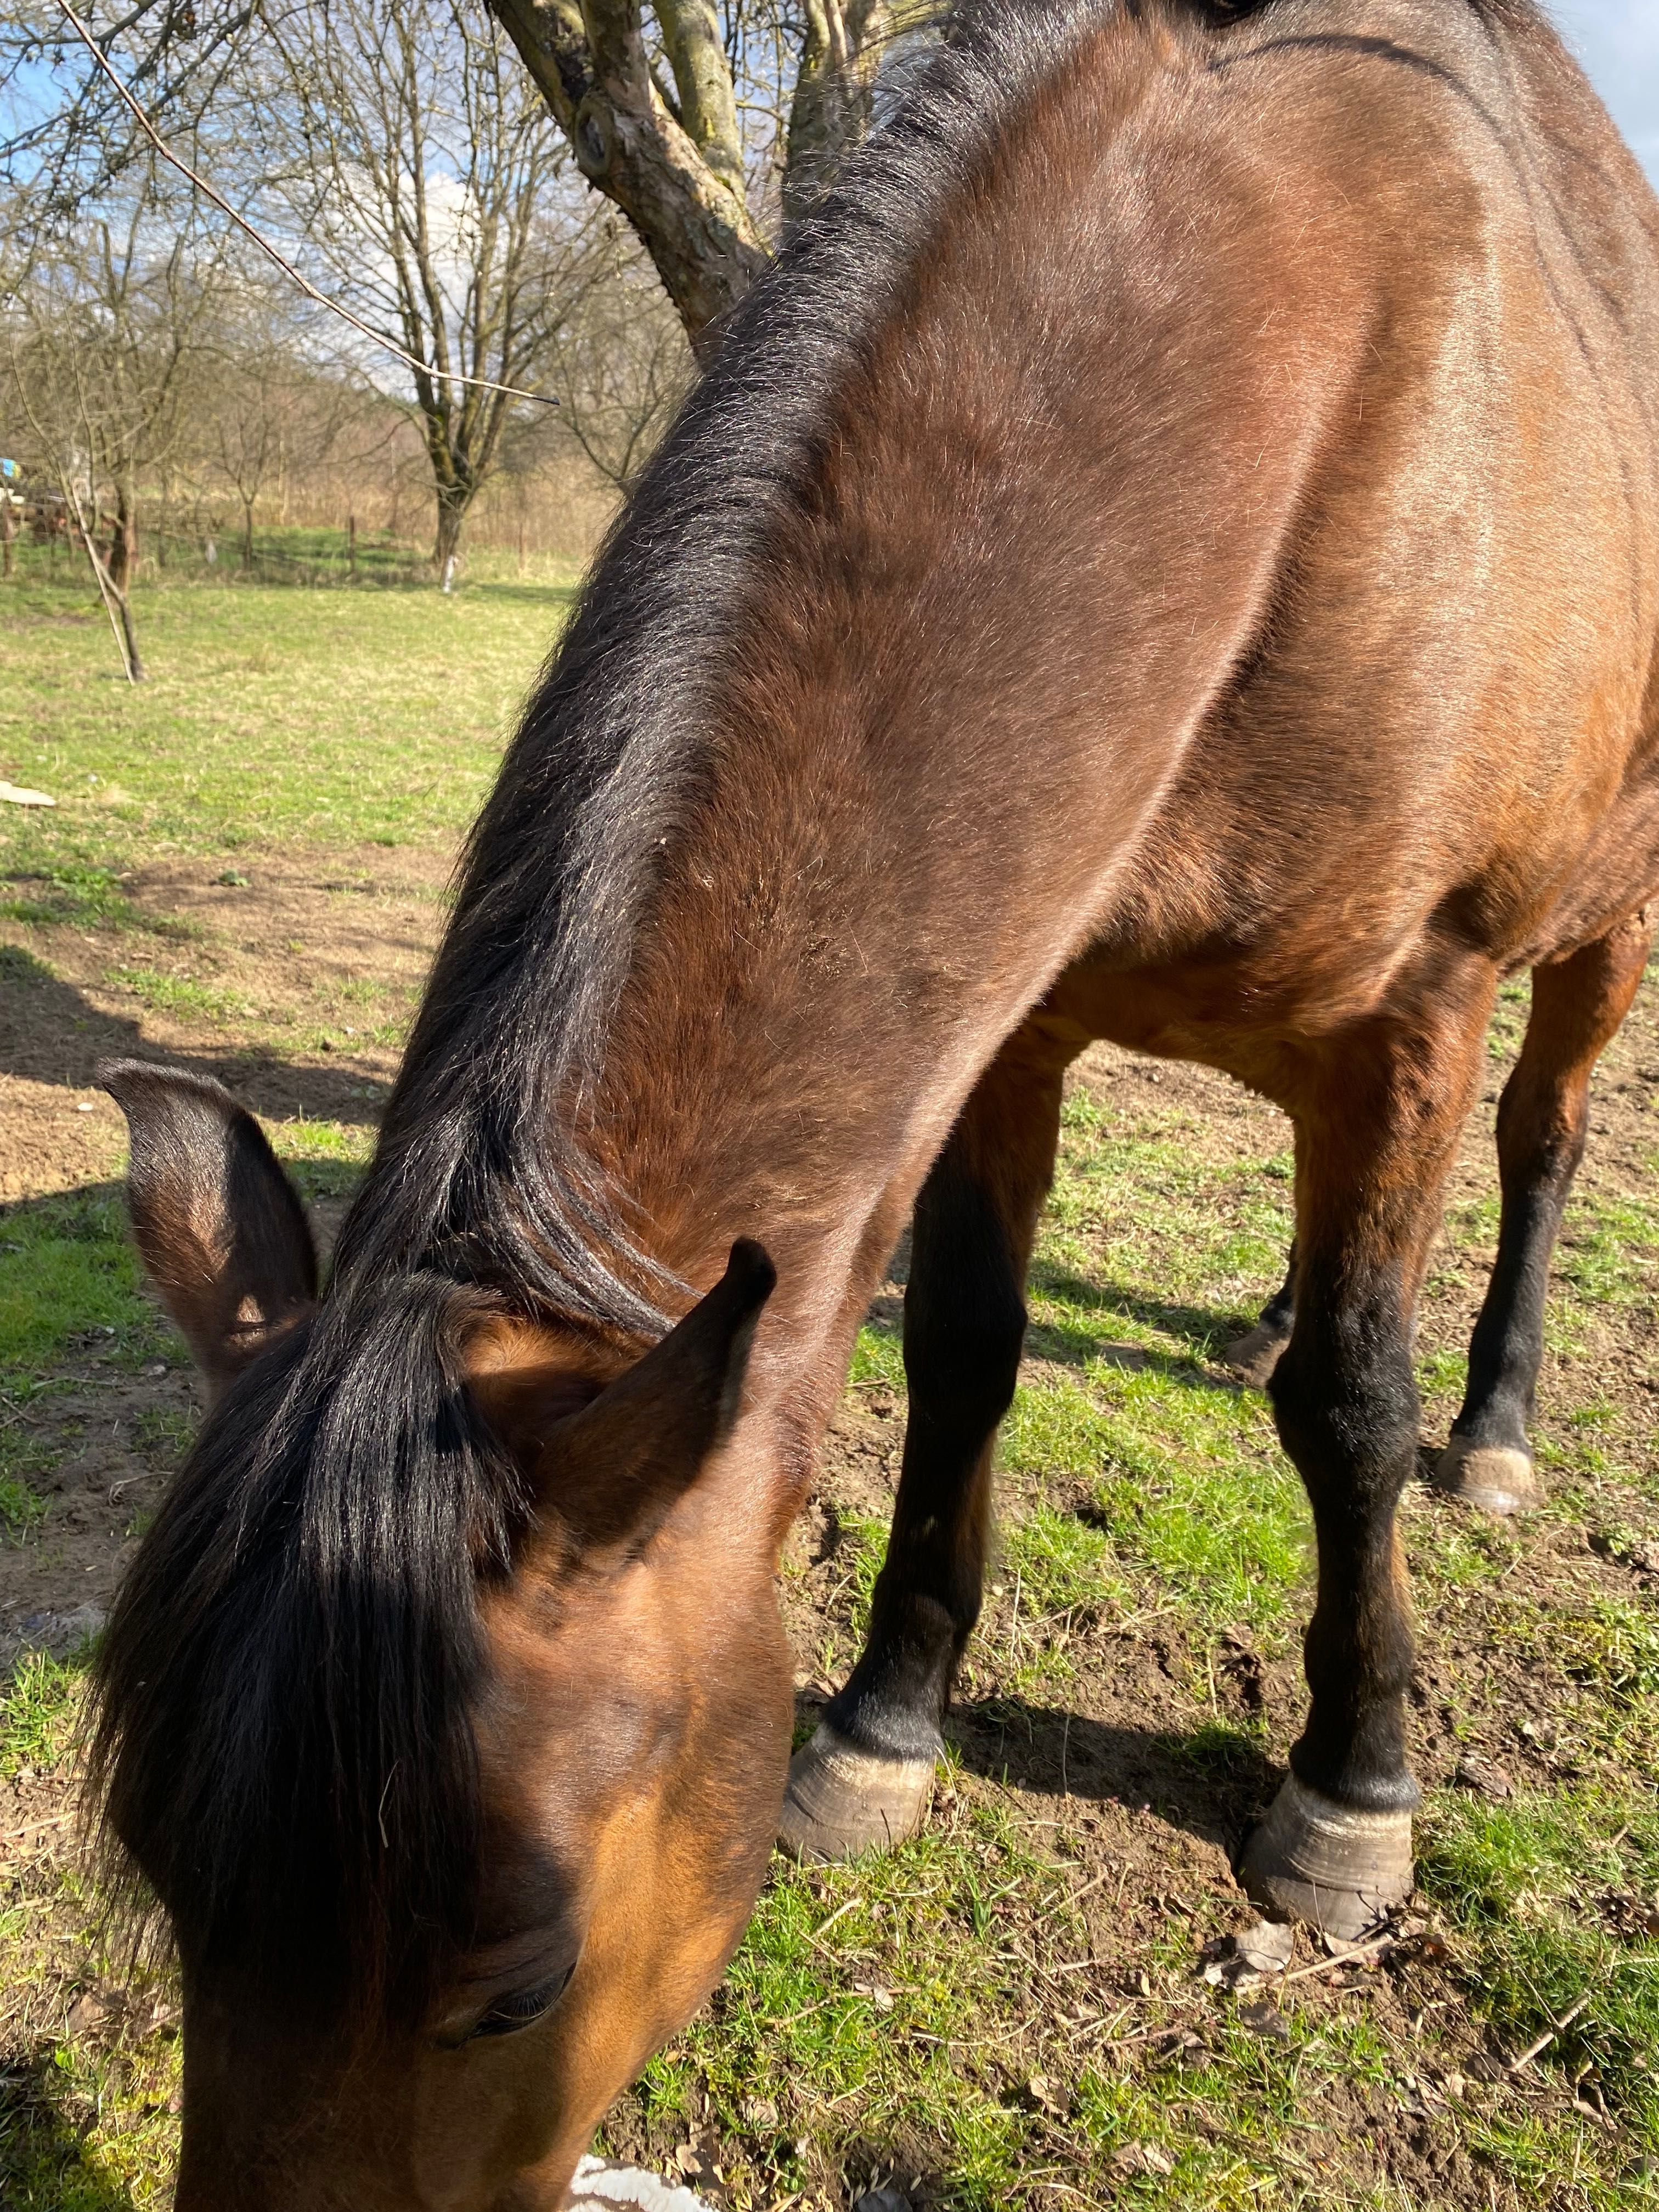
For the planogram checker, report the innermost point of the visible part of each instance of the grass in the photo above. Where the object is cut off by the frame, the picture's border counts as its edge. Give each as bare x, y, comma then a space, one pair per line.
69, 1284
327, 717
958, 2010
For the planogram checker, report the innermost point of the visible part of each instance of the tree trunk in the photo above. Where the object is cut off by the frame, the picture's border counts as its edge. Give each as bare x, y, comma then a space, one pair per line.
124, 539
681, 192
135, 665
247, 537
115, 600
453, 501
834, 97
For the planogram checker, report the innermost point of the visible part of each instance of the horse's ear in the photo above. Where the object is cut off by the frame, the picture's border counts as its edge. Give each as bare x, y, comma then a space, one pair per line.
222, 1228
607, 1464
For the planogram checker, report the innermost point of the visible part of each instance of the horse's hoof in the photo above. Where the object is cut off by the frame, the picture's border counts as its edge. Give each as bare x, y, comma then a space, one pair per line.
1254, 1357
1494, 1477
841, 1800
1340, 1870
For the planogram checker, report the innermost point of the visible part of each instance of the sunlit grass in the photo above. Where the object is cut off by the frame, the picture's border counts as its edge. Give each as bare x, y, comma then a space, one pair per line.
319, 715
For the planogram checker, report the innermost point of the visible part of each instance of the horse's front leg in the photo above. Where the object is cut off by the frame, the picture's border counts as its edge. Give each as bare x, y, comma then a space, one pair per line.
1377, 1128
866, 1777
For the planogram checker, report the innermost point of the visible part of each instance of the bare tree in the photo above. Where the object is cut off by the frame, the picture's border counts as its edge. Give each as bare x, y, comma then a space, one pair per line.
113, 334
65, 137
437, 164
266, 411
619, 359
685, 119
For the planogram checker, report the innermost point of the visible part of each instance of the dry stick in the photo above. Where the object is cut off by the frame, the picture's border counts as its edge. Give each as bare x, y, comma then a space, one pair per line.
1094, 1882
845, 1907
1347, 1958
1548, 2037
368, 329
102, 578
72, 499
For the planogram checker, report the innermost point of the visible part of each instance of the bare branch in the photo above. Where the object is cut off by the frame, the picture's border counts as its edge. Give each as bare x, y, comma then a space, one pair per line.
200, 184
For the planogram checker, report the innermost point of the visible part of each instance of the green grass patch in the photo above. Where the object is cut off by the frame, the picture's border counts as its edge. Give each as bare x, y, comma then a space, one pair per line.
318, 716
182, 996
1186, 1479
69, 1286
1540, 1889
25, 1460
38, 1709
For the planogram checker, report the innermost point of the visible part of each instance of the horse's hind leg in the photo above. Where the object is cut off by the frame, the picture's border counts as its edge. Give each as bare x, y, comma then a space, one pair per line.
867, 1776
1577, 1004
1376, 1128
1256, 1353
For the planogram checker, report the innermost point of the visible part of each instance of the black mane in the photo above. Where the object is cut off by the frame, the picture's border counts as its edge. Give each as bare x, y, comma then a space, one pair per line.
281, 1744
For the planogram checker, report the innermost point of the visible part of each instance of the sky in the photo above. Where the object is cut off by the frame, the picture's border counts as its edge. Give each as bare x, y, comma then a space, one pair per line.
1618, 42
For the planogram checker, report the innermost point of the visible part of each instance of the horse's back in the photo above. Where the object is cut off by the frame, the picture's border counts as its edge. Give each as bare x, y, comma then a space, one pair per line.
1441, 734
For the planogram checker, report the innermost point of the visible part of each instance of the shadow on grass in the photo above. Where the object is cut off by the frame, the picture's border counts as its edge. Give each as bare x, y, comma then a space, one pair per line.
1205, 1329
1213, 1781
50, 1033
46, 2162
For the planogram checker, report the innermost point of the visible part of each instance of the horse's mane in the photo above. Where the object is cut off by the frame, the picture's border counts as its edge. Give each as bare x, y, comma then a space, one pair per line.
281, 1744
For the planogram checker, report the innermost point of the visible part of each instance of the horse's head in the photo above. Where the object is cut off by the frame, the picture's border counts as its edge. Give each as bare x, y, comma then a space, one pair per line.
446, 1708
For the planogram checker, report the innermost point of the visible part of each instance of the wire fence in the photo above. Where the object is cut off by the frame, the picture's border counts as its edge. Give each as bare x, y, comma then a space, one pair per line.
311, 556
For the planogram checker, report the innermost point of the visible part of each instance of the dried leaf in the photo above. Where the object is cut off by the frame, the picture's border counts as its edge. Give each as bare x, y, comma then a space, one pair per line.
1483, 1777
1263, 2017
1237, 1961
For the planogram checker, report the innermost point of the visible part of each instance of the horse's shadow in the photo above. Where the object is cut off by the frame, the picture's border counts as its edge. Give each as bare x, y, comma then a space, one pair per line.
42, 2150
50, 1032
1214, 1782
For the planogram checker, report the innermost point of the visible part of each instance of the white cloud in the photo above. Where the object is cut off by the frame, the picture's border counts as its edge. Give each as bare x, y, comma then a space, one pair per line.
1618, 42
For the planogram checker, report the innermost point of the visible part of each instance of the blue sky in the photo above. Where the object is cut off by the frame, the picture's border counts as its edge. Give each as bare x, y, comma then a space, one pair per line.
1618, 42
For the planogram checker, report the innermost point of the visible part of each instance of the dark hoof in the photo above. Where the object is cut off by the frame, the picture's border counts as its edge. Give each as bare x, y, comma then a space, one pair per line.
841, 1800
1317, 1861
1253, 1358
1496, 1478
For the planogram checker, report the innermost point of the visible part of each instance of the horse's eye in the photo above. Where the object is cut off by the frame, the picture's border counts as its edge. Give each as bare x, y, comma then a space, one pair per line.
509, 2014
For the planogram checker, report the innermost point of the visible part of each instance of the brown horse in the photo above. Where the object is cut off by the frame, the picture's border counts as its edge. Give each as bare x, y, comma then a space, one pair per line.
1172, 554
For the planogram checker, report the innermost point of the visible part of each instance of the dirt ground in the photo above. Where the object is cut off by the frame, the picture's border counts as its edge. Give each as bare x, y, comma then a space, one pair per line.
324, 950
329, 952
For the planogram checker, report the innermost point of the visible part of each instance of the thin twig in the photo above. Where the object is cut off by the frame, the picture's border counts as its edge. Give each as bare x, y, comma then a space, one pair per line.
34, 1827
846, 1906
1093, 1882
1348, 1957
201, 184
72, 503
100, 576
1548, 2035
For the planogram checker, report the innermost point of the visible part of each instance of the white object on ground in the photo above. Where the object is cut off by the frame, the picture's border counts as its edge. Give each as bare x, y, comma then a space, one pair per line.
596, 2182
20, 796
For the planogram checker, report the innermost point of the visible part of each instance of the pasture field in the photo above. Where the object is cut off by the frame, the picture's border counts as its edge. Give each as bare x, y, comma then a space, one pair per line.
246, 873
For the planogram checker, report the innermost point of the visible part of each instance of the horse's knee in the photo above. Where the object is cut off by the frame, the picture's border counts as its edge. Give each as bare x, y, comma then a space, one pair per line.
1541, 1129
1346, 1410
964, 1319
